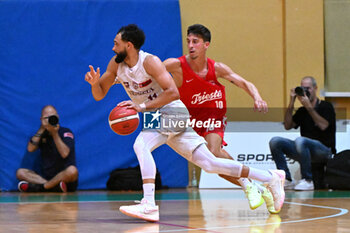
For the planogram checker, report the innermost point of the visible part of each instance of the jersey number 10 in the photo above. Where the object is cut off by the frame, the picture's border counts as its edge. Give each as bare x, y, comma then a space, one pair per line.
219, 104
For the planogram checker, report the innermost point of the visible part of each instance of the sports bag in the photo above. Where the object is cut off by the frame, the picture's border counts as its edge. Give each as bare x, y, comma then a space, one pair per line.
129, 179
338, 171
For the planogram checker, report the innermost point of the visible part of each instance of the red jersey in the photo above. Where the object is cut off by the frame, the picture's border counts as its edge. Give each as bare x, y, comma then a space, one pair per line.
204, 97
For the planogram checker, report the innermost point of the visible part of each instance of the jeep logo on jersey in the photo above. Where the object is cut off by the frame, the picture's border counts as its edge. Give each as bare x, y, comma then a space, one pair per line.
200, 98
141, 85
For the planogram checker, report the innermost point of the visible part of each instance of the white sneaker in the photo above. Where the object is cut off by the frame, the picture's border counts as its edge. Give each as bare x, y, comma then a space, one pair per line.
144, 210
304, 185
276, 187
288, 185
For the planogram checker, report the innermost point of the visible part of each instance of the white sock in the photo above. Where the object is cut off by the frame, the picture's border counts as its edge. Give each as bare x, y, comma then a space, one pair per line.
148, 192
244, 182
260, 175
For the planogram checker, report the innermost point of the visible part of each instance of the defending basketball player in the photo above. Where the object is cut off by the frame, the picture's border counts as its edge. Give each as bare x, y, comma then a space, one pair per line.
196, 76
150, 86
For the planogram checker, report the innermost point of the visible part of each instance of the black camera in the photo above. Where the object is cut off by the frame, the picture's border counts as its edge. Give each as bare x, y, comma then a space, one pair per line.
301, 90
53, 120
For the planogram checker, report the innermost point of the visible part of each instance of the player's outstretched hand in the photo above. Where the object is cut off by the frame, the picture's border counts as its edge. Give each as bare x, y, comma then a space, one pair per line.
92, 76
261, 106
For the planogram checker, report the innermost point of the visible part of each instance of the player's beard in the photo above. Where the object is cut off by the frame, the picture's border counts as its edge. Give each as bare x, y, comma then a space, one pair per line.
120, 56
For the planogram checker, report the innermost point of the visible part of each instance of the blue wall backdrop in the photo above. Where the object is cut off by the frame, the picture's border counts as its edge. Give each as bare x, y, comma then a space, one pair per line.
45, 50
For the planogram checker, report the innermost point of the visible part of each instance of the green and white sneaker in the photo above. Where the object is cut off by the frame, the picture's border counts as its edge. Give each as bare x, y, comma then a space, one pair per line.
268, 198
254, 196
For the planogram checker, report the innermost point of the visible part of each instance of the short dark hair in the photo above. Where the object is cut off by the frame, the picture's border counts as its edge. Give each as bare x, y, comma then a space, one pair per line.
134, 34
200, 30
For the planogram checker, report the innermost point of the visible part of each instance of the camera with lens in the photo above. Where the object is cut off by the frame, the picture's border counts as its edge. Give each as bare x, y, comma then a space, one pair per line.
301, 90
53, 120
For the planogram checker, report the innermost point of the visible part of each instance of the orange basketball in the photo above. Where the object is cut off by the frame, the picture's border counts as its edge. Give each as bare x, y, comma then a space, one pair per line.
123, 121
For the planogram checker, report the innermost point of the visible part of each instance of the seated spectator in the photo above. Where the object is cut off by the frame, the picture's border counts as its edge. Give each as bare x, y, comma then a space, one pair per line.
316, 119
56, 145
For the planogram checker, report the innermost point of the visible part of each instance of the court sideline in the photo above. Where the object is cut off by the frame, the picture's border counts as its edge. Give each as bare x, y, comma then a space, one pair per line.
181, 210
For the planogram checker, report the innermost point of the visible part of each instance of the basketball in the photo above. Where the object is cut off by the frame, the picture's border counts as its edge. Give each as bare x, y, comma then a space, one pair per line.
123, 120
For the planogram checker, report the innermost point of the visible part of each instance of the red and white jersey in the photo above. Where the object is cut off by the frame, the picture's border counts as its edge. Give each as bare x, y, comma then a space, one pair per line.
138, 84
204, 97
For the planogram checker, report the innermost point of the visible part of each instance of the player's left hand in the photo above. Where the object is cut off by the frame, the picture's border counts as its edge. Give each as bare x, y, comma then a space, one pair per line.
261, 106
130, 104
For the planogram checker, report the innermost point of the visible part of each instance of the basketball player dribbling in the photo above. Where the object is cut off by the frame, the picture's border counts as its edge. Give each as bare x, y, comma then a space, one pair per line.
150, 86
196, 77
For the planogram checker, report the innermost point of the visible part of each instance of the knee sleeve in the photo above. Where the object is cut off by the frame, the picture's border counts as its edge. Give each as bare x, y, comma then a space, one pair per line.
144, 144
203, 158
145, 158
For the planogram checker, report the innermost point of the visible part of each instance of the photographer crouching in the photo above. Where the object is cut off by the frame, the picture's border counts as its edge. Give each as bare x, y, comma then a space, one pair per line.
316, 119
58, 166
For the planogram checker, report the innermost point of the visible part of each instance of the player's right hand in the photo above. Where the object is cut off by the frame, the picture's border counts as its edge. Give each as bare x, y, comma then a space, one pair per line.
92, 76
130, 104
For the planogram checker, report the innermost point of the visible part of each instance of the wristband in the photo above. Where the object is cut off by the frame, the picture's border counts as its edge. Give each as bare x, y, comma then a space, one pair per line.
37, 135
34, 143
143, 106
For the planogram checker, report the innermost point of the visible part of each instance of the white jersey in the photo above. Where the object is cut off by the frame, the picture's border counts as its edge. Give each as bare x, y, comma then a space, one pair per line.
140, 86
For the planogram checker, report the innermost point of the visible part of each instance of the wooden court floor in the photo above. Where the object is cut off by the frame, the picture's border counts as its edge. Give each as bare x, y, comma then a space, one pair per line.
181, 210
